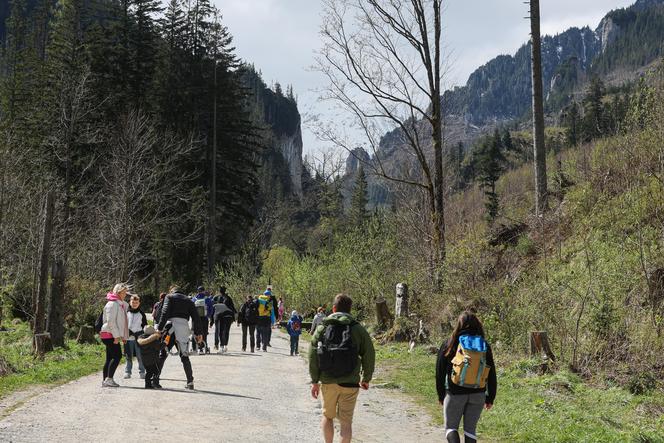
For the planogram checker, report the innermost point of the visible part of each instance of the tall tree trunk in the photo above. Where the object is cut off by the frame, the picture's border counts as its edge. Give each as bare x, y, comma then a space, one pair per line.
56, 325
437, 134
44, 252
538, 110
212, 235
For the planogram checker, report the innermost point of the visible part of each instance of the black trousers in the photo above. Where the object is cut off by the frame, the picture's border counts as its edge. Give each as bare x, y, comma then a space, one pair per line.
113, 356
251, 329
151, 374
186, 363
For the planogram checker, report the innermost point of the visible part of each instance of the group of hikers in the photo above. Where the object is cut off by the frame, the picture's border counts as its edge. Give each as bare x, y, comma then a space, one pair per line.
341, 355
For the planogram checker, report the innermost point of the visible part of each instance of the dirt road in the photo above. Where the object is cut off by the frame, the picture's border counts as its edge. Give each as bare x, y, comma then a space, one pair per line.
239, 397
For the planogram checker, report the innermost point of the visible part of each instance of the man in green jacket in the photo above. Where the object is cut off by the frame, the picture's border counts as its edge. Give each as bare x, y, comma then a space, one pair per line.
339, 393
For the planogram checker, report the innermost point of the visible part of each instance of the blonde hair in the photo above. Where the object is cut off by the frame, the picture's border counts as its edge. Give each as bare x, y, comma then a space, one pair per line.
120, 287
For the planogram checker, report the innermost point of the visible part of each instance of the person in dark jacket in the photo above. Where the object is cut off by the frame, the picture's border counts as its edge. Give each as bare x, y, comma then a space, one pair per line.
294, 328
156, 308
177, 310
458, 401
151, 344
275, 310
224, 298
223, 319
247, 317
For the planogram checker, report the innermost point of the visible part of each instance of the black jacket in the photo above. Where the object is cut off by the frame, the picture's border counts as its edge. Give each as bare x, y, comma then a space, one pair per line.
244, 315
150, 347
180, 306
444, 382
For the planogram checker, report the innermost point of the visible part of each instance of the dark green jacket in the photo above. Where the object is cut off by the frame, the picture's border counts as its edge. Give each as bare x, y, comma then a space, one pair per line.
365, 349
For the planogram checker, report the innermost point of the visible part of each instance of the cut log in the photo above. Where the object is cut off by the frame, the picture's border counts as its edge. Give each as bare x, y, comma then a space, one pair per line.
539, 345
383, 316
86, 335
43, 344
401, 308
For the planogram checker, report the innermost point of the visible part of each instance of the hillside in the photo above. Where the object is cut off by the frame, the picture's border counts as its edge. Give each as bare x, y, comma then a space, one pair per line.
498, 94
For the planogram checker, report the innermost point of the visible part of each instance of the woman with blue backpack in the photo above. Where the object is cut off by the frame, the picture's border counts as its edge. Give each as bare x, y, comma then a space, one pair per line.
465, 378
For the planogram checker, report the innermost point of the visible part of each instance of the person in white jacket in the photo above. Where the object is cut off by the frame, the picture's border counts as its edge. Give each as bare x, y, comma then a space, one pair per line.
114, 331
136, 320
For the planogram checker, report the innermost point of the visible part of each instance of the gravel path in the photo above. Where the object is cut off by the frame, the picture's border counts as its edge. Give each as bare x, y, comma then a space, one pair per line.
239, 397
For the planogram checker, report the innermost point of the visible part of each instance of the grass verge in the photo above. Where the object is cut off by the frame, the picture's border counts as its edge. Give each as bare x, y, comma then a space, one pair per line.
59, 366
530, 408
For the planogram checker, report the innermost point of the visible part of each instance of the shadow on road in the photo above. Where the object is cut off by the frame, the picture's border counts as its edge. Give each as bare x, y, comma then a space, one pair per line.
195, 391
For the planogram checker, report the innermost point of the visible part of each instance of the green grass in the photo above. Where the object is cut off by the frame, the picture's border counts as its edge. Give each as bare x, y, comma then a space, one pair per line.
530, 408
59, 366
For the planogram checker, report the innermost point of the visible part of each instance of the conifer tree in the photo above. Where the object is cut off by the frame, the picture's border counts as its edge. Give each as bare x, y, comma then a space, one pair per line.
489, 162
358, 204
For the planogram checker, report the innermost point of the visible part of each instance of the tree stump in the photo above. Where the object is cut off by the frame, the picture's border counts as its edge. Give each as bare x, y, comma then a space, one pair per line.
401, 309
43, 344
383, 316
539, 345
86, 334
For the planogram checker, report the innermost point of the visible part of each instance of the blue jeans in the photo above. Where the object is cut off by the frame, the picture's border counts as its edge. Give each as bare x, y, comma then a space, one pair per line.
131, 349
294, 344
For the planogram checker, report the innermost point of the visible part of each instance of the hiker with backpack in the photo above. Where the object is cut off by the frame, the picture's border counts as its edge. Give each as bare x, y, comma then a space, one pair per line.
113, 331
223, 318
136, 321
294, 328
177, 310
204, 307
465, 378
318, 320
247, 317
156, 308
341, 361
264, 322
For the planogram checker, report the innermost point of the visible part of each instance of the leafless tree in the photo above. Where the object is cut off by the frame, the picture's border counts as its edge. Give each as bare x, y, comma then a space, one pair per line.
142, 185
382, 61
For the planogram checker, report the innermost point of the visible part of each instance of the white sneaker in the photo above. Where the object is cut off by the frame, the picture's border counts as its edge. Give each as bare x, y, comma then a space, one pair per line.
110, 383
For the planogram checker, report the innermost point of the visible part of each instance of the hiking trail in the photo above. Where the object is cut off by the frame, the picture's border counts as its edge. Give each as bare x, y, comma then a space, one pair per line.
239, 397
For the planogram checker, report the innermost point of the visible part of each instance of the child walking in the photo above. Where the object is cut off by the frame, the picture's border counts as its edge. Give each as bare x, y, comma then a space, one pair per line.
294, 328
151, 344
465, 378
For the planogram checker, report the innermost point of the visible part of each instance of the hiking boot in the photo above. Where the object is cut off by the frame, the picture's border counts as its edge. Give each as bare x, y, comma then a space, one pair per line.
189, 386
452, 436
127, 375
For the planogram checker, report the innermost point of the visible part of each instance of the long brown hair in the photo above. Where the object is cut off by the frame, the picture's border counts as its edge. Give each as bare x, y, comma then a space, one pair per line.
466, 323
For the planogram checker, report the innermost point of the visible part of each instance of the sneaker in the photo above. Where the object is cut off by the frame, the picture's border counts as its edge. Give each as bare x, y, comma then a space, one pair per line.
156, 385
127, 375
220, 351
252, 351
189, 386
269, 345
207, 350
291, 354
244, 349
264, 349
201, 352
216, 348
142, 376
110, 383
148, 386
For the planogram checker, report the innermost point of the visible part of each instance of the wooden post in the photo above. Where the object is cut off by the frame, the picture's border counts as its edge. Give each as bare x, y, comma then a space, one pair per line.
539, 345
56, 326
383, 316
401, 309
44, 252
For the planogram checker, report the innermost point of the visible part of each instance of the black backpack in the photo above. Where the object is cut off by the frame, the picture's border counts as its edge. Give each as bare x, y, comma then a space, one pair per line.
251, 312
100, 322
337, 354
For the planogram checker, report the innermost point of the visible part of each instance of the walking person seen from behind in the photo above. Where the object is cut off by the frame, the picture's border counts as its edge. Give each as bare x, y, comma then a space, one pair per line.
294, 328
223, 318
136, 321
114, 331
465, 378
341, 359
318, 320
247, 317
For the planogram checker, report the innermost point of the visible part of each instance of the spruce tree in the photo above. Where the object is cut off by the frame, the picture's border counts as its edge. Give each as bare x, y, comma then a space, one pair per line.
489, 161
358, 205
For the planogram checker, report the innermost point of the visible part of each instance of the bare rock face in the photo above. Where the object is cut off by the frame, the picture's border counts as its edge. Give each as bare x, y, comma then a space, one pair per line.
356, 157
607, 31
290, 147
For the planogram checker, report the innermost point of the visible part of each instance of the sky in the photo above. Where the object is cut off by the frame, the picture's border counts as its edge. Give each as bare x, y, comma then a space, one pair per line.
280, 38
